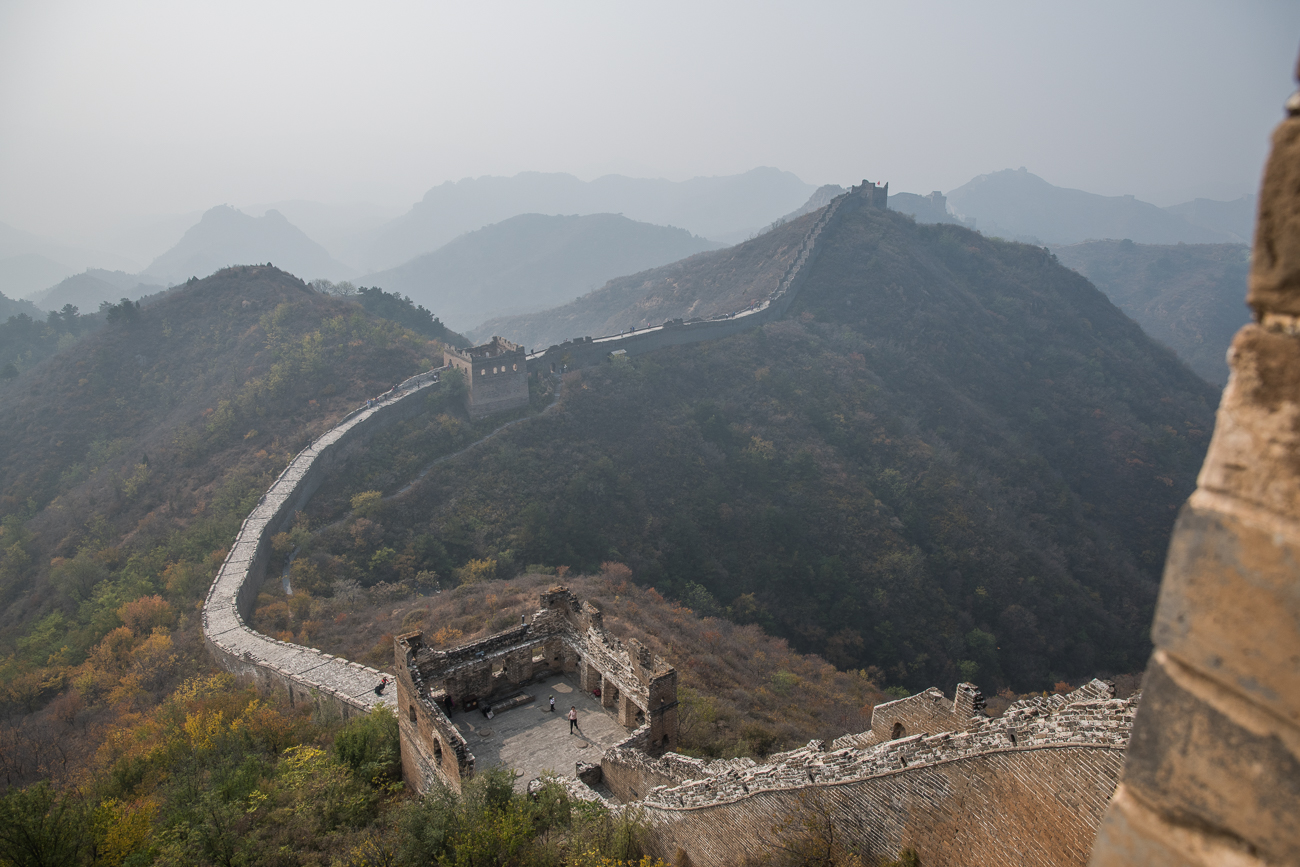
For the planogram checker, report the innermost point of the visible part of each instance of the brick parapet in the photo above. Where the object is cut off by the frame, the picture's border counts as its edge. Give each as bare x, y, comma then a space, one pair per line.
1104, 724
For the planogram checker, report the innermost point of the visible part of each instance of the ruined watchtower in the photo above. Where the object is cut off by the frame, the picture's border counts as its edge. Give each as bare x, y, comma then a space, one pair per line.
496, 376
868, 195
565, 636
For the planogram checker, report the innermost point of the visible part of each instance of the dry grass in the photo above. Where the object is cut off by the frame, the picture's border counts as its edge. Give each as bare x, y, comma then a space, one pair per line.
743, 692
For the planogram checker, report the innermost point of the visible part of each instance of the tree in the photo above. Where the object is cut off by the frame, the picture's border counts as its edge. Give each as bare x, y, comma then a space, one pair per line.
40, 827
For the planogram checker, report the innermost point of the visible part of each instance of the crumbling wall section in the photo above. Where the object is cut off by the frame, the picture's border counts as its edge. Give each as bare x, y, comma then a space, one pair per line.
1027, 788
433, 750
563, 635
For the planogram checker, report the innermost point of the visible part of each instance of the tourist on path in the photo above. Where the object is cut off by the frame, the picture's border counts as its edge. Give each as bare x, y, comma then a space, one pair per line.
552, 704
573, 719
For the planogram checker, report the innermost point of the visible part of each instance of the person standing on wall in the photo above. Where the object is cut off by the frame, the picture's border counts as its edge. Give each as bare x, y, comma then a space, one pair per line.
573, 719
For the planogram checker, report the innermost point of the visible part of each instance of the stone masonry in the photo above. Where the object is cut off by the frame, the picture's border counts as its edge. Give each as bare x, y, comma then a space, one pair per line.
587, 351
1028, 787
565, 635
1213, 776
496, 376
303, 673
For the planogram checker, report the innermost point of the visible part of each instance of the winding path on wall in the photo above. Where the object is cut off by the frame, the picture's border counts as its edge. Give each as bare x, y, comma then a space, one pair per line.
336, 684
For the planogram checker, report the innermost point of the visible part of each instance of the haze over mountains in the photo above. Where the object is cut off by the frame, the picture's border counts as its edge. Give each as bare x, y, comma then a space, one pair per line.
485, 267
225, 236
708, 284
532, 262
724, 209
1021, 206
1190, 297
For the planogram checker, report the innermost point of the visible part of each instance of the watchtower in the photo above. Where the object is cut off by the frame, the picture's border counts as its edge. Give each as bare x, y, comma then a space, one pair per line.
496, 376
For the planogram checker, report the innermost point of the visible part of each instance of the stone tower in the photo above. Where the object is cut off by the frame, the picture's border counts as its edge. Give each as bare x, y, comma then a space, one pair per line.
496, 376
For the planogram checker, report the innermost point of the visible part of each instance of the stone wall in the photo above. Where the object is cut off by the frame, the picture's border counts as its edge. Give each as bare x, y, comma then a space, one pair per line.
564, 635
1213, 776
926, 713
588, 351
301, 673
496, 376
1027, 788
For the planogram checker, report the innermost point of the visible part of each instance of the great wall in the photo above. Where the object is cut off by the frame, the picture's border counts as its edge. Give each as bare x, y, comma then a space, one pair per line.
495, 376
1213, 773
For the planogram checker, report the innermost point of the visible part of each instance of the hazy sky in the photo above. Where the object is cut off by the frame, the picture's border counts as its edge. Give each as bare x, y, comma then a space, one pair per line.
129, 108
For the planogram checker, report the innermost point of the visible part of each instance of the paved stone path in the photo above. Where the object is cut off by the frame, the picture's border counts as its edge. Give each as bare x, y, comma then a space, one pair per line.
533, 740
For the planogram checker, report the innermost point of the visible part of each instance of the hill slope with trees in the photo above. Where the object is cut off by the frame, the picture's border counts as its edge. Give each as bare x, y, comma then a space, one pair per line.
955, 459
706, 284
1190, 297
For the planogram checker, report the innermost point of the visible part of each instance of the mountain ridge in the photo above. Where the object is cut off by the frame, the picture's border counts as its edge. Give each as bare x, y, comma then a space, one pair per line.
1021, 206
532, 262
724, 208
225, 236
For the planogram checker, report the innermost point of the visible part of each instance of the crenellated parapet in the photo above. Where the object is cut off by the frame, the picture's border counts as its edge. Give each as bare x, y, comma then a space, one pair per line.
1028, 787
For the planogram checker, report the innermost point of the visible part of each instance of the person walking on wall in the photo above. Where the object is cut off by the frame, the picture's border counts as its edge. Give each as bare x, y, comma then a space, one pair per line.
573, 719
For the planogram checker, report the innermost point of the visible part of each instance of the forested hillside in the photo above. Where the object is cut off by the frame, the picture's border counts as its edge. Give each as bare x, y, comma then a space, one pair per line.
956, 459
1190, 297
128, 461
706, 284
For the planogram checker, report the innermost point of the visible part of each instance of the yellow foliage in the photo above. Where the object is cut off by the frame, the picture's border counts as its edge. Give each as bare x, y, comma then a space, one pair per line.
146, 613
366, 502
122, 829
203, 728
476, 571
446, 635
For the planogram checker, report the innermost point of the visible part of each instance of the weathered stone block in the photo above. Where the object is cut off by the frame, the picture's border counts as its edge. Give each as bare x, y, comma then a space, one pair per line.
1255, 452
1230, 606
1199, 768
1275, 269
1131, 834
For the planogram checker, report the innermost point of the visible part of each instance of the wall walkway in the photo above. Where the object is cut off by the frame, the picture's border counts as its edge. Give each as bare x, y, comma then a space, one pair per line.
334, 683
586, 351
305, 674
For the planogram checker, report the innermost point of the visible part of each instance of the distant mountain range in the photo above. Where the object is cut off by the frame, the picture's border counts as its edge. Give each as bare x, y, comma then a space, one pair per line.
225, 236
704, 285
724, 209
29, 262
532, 262
1021, 206
87, 290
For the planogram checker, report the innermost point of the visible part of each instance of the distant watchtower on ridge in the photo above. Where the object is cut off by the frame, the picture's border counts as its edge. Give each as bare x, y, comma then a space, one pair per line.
869, 195
496, 376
